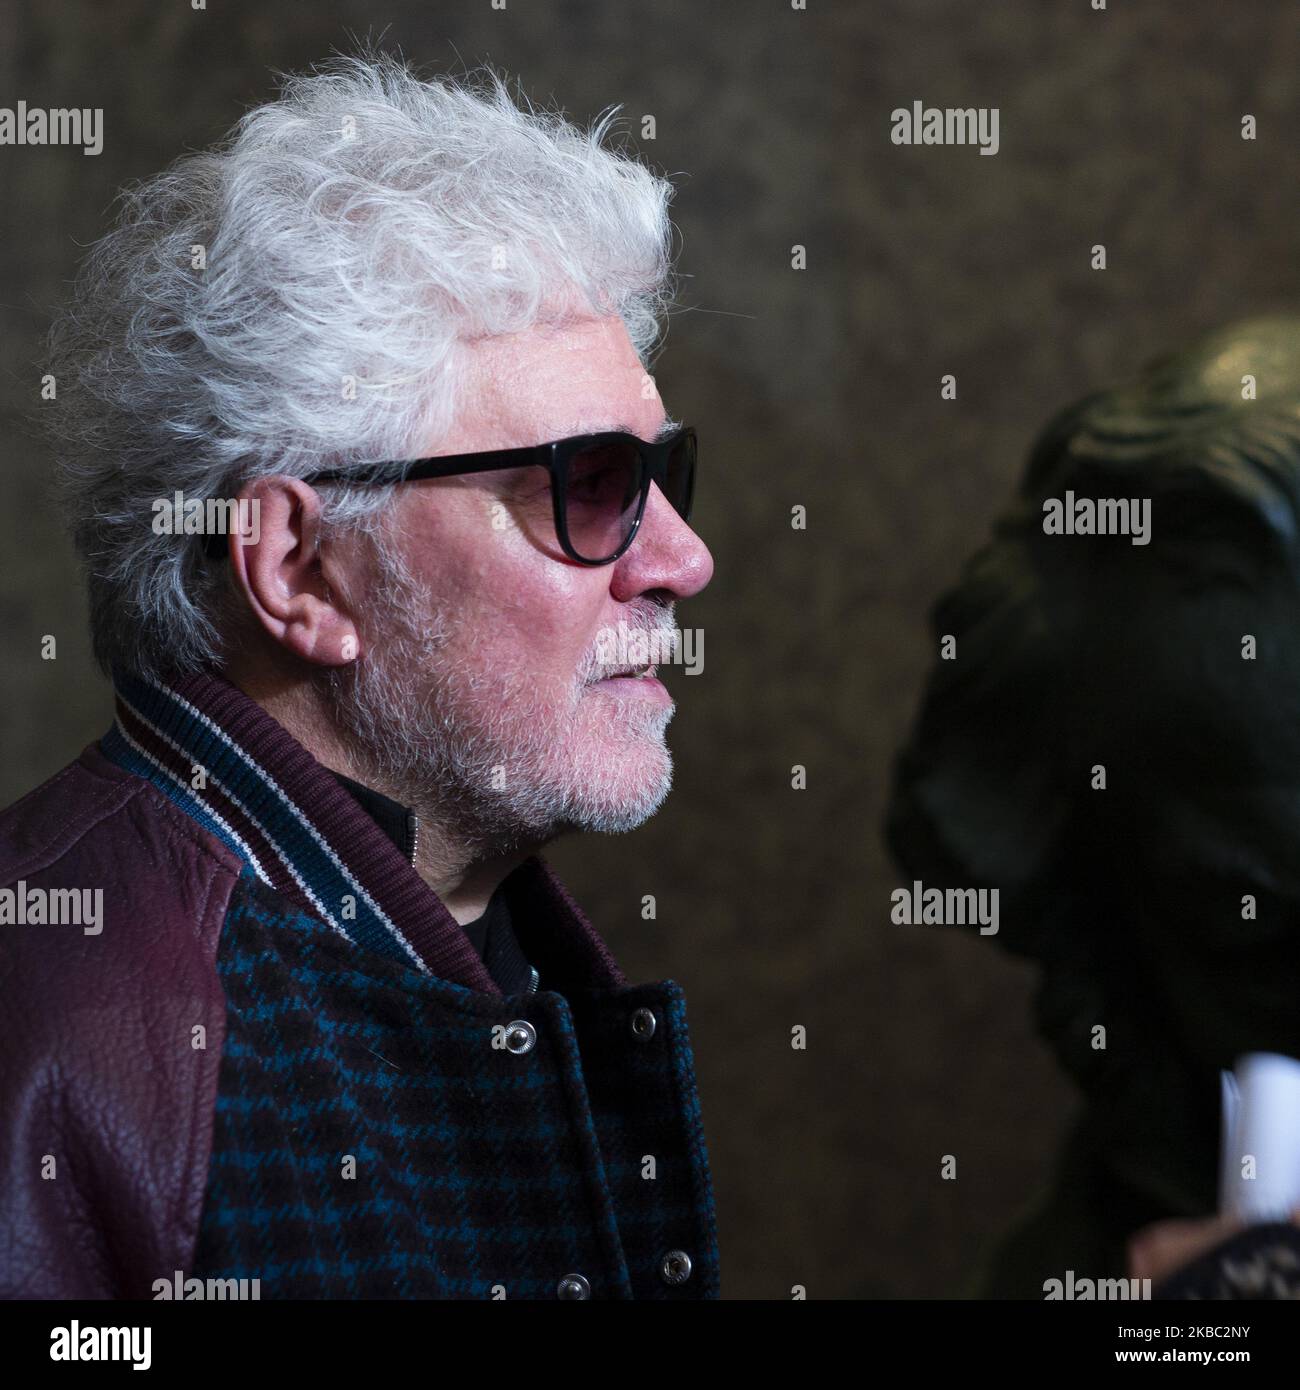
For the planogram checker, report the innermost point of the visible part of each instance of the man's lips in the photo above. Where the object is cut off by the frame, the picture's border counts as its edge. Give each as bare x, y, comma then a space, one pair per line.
643, 672
633, 680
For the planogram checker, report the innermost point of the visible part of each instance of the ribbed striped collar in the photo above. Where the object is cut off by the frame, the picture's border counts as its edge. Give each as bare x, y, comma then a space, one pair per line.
227, 763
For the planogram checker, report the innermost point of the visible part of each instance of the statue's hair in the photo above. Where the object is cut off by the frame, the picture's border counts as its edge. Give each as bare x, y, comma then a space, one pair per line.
359, 229
1073, 652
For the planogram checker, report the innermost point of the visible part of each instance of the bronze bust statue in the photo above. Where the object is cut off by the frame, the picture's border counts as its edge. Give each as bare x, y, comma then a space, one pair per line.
1163, 909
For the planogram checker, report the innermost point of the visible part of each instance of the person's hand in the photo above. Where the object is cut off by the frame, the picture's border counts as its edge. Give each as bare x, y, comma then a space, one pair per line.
1156, 1251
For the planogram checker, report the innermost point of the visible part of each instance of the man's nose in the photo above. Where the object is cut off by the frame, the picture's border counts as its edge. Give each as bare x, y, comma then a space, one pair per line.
666, 554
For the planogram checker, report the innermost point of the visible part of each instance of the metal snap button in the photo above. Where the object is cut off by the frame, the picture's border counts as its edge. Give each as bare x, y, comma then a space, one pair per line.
675, 1267
644, 1024
573, 1286
520, 1037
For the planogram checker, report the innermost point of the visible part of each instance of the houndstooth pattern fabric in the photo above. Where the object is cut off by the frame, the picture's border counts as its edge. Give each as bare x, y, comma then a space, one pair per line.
370, 1141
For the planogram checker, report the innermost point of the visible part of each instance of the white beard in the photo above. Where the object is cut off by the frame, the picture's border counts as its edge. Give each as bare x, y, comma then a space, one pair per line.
492, 758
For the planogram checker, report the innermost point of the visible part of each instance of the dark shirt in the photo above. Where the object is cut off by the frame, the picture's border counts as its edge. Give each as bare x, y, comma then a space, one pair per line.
492, 935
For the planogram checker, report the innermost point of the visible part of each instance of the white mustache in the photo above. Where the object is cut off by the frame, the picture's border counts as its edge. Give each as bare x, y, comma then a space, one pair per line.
660, 637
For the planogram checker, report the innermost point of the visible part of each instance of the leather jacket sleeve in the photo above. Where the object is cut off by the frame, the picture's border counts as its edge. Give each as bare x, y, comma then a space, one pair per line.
110, 1041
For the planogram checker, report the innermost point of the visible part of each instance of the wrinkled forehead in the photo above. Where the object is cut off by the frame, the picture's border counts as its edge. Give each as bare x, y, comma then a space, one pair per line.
556, 378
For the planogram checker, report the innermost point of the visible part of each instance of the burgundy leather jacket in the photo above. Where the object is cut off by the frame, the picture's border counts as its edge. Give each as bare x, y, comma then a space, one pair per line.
105, 1119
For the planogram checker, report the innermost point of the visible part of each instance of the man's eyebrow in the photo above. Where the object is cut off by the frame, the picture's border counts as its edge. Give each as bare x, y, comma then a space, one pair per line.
669, 426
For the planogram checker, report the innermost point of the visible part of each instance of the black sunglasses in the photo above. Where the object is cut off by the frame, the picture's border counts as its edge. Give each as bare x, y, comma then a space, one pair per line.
599, 483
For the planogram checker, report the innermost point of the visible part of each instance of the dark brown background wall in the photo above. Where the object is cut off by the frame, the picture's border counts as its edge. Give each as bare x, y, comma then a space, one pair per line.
818, 387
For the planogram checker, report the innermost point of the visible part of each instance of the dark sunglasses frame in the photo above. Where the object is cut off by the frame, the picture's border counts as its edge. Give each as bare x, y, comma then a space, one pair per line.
554, 457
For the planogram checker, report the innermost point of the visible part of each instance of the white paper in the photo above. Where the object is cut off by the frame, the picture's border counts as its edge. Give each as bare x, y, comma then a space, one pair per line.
1260, 1133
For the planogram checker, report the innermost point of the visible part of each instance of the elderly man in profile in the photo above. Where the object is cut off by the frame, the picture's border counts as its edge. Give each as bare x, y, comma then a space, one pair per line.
343, 1032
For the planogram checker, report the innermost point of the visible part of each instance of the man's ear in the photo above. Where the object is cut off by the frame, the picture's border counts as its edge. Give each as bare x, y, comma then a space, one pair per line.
275, 562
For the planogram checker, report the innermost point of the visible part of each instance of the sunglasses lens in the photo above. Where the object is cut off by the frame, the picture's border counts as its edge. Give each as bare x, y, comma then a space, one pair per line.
679, 485
601, 497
